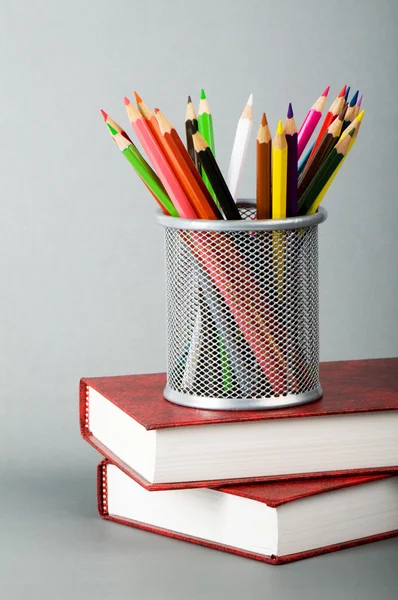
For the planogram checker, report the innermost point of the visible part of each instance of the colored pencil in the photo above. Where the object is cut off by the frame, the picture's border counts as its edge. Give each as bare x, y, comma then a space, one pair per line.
328, 142
109, 121
279, 172
178, 163
358, 106
324, 173
291, 184
303, 162
351, 110
191, 122
239, 149
159, 161
347, 92
195, 173
332, 114
145, 172
205, 128
311, 121
150, 119
355, 127
216, 179
264, 177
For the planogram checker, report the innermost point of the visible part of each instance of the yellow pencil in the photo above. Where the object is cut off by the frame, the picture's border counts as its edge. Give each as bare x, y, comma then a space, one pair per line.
356, 124
279, 174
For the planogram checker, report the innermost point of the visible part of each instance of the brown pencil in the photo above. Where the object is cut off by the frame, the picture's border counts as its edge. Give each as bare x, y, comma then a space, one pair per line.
328, 142
263, 179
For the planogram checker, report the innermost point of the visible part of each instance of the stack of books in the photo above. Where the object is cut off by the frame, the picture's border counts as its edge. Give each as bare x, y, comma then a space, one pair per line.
273, 485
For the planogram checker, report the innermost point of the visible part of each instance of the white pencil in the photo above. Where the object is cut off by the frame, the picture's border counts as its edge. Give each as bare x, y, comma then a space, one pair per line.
240, 146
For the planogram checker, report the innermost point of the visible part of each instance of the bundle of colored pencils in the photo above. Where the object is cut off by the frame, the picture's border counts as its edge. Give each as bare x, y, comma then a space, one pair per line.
186, 181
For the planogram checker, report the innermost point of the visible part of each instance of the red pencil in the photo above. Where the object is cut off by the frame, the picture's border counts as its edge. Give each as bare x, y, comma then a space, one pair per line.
331, 115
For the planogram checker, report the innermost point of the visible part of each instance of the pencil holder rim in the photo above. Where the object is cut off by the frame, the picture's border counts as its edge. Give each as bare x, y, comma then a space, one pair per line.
244, 225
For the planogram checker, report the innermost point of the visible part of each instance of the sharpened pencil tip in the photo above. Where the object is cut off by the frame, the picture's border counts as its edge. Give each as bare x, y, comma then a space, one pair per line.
343, 113
138, 98
202, 94
189, 100
156, 110
354, 99
264, 121
104, 114
360, 116
359, 100
250, 100
346, 93
111, 129
126, 101
280, 127
326, 91
342, 91
290, 111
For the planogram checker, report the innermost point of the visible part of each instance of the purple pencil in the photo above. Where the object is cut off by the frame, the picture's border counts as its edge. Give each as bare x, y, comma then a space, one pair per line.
292, 160
311, 121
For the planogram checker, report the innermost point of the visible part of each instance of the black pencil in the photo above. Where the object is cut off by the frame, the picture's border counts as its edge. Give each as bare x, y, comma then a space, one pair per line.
328, 142
217, 181
191, 125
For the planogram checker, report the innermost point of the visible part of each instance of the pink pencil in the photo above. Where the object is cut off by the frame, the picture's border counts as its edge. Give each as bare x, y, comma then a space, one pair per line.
160, 164
311, 121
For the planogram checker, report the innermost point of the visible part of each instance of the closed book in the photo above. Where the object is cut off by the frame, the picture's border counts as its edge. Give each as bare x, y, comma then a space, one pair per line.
273, 522
352, 429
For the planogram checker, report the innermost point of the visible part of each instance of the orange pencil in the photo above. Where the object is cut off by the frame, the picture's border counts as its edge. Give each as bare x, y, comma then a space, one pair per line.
158, 159
182, 170
150, 120
332, 114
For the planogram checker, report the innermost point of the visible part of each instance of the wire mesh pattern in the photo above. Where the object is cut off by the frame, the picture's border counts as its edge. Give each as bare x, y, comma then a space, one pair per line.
242, 313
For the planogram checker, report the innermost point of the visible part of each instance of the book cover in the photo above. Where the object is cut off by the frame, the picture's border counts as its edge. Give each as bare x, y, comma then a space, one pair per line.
350, 387
273, 495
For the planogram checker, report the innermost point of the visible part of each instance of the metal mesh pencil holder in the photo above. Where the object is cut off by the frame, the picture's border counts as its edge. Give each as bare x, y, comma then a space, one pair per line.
242, 311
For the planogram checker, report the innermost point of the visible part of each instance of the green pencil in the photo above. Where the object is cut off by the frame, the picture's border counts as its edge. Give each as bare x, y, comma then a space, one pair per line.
323, 174
144, 171
205, 128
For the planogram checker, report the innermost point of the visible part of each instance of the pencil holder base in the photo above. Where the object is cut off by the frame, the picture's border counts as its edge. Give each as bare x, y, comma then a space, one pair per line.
208, 403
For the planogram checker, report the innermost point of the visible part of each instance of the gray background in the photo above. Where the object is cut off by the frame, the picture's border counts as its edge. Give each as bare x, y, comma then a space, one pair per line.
82, 259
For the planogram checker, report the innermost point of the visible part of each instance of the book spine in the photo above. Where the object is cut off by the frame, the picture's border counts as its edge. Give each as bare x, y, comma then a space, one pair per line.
84, 409
102, 489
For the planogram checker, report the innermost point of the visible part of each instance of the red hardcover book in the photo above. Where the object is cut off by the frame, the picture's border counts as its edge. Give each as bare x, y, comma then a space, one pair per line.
272, 522
352, 429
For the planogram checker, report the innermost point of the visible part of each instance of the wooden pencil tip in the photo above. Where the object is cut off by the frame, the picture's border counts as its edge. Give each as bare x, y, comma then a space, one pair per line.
360, 116
360, 100
290, 111
326, 91
354, 99
343, 113
280, 127
111, 129
138, 98
264, 121
104, 114
189, 99
250, 100
342, 91
157, 110
126, 101
202, 94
